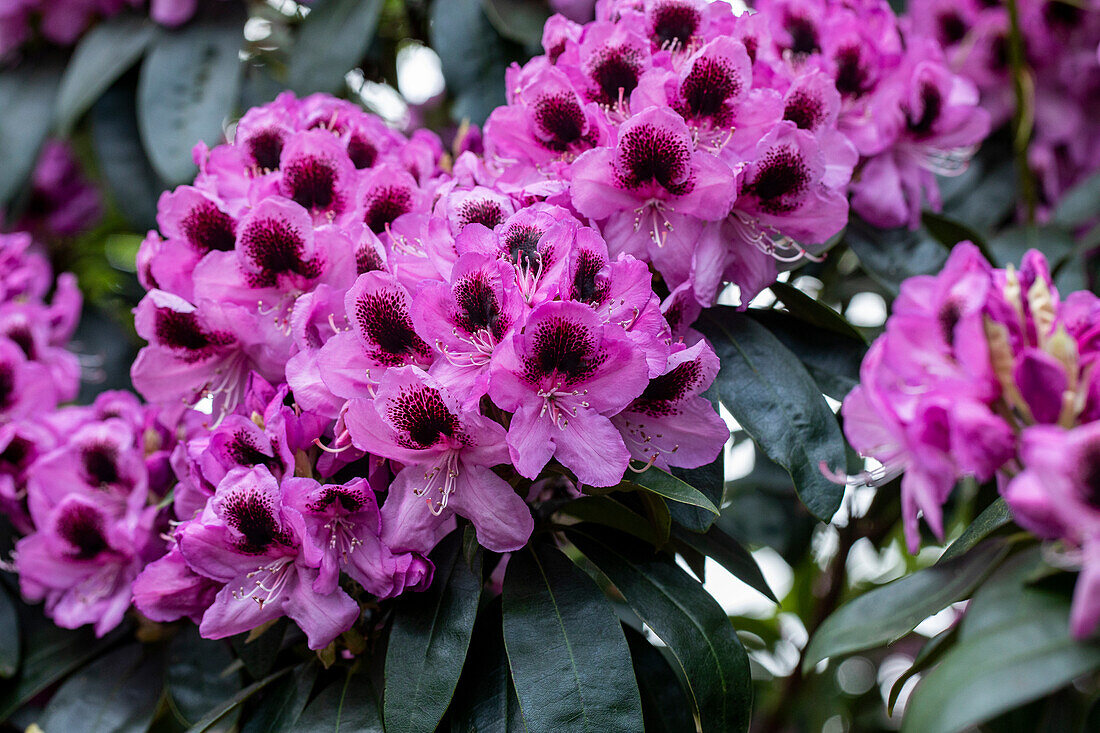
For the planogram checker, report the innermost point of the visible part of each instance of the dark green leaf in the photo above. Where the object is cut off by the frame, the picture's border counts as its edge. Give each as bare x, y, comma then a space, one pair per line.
710, 480
49, 654
228, 707
831, 359
775, 400
331, 41
117, 693
569, 659
428, 643
1014, 647
188, 88
995, 516
730, 554
27, 95
198, 676
950, 232
130, 178
889, 612
1010, 245
665, 707
814, 313
520, 20
346, 706
666, 485
259, 654
283, 702
474, 57
605, 510
485, 700
10, 646
928, 655
1078, 206
985, 195
684, 616
893, 255
102, 56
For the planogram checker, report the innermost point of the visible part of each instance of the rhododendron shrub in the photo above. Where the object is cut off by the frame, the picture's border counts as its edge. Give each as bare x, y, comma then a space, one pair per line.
460, 414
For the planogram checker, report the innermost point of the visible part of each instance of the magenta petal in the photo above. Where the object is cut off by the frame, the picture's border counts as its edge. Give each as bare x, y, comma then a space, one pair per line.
500, 515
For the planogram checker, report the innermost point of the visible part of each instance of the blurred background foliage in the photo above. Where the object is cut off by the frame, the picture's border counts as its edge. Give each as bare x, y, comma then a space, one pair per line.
130, 94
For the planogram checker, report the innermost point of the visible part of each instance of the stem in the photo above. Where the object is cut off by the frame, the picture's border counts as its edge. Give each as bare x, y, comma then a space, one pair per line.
1023, 119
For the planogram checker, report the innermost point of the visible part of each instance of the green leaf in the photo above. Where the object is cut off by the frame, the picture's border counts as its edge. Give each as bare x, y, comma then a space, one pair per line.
27, 95
233, 704
709, 480
611, 513
832, 359
1014, 647
893, 255
345, 706
133, 184
199, 676
10, 645
520, 20
331, 41
950, 232
103, 55
665, 484
485, 700
932, 651
775, 400
1078, 206
665, 707
685, 617
50, 653
1010, 245
117, 693
474, 57
995, 516
428, 643
813, 312
730, 554
569, 659
188, 88
889, 612
259, 653
283, 702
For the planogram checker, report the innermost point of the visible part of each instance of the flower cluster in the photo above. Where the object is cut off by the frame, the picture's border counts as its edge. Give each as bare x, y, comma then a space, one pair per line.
1060, 40
61, 202
62, 22
716, 146
388, 341
989, 373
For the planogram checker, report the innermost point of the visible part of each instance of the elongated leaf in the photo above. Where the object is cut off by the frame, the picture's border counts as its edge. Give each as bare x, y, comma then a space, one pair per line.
10, 645
995, 516
605, 510
665, 707
227, 707
27, 95
775, 400
1008, 654
709, 480
117, 693
198, 677
428, 643
485, 700
932, 651
730, 554
812, 312
474, 57
950, 232
666, 485
569, 659
130, 178
1078, 205
188, 87
520, 20
887, 613
692, 624
283, 702
893, 255
832, 359
259, 652
331, 41
50, 654
102, 56
345, 706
